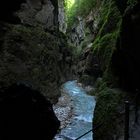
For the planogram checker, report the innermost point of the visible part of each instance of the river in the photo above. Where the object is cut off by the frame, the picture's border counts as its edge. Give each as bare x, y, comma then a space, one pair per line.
82, 113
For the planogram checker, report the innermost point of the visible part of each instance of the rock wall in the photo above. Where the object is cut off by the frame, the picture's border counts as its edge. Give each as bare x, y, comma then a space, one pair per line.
115, 53
84, 29
49, 13
101, 37
38, 12
31, 54
77, 34
35, 57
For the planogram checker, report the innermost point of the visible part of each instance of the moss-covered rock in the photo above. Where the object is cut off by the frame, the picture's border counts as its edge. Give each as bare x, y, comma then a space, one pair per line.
32, 56
112, 38
110, 104
105, 41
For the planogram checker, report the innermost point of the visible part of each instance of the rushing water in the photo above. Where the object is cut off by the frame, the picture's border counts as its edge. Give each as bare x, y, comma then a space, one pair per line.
83, 108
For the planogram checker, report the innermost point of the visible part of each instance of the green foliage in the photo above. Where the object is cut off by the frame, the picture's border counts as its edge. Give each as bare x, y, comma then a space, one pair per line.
105, 41
69, 4
106, 111
79, 8
104, 45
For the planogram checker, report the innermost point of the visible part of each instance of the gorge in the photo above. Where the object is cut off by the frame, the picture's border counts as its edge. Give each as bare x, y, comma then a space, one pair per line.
87, 46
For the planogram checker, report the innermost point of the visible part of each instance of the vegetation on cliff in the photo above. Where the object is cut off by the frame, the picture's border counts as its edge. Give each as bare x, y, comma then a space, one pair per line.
99, 56
75, 8
108, 99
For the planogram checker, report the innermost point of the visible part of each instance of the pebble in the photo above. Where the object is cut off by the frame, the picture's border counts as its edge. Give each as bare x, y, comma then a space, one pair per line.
63, 110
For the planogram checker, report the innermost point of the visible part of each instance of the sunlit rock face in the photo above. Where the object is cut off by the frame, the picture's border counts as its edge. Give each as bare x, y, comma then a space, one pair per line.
126, 58
77, 33
26, 114
82, 35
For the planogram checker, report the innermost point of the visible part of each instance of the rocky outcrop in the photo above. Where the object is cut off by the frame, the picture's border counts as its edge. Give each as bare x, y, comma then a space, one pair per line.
89, 63
49, 13
31, 54
89, 67
26, 114
35, 57
84, 29
77, 34
82, 36
39, 12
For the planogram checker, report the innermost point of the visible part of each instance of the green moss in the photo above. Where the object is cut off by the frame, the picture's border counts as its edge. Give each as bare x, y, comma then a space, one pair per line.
107, 112
79, 8
105, 41
108, 98
35, 57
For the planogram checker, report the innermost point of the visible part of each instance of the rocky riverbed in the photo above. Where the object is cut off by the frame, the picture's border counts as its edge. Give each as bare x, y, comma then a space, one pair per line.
64, 109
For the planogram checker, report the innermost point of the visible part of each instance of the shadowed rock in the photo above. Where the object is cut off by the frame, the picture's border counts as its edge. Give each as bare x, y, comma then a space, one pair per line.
26, 114
8, 8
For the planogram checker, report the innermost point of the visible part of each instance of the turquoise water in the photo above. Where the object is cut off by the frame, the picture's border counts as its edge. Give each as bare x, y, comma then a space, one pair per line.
83, 108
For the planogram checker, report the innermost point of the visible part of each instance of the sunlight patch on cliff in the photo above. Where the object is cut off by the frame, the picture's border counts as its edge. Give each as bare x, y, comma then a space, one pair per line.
69, 3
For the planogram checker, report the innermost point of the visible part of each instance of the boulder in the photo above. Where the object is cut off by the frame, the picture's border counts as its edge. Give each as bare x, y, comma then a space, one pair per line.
26, 114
